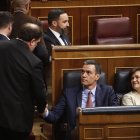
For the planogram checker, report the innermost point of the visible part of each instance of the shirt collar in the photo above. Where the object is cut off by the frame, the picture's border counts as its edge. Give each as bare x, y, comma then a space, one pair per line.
55, 33
86, 91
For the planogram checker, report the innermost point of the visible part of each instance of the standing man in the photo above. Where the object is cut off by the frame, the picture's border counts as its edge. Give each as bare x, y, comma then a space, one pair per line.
21, 84
56, 34
6, 21
21, 10
87, 95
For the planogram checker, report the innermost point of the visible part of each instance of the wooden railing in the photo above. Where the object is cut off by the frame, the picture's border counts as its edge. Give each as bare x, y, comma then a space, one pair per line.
82, 14
109, 123
111, 57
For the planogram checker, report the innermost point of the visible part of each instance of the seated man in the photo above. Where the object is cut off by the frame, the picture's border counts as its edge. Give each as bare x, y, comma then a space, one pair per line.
90, 94
133, 97
56, 34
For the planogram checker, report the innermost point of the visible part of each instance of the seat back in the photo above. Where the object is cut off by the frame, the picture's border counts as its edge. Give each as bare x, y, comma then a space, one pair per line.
73, 78
44, 24
122, 84
113, 31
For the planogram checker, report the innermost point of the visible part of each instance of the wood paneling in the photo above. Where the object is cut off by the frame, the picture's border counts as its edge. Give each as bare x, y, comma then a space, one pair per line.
109, 126
83, 13
109, 56
68, 3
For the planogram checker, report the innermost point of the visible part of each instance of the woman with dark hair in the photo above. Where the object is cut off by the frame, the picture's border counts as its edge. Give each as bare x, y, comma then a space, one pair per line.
133, 97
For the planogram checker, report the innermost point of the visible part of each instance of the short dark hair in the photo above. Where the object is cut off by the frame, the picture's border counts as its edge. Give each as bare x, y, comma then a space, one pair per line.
54, 14
29, 31
5, 18
134, 70
93, 62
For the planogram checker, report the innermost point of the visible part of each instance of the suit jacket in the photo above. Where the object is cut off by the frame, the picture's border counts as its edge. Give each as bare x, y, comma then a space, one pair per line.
19, 19
2, 37
50, 39
72, 98
21, 85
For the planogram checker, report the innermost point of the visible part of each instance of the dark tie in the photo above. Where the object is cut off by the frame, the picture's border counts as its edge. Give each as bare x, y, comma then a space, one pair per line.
89, 100
64, 40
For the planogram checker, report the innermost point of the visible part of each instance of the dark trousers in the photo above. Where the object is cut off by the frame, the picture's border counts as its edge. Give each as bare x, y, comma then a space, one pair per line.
7, 134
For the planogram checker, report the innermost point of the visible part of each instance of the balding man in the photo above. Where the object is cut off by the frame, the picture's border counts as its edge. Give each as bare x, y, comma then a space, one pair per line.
21, 11
21, 83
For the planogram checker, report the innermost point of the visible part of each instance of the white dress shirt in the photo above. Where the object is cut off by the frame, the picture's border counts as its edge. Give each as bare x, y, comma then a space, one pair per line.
57, 35
85, 97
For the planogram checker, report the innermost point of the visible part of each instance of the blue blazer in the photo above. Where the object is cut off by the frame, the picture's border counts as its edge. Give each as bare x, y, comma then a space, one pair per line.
72, 98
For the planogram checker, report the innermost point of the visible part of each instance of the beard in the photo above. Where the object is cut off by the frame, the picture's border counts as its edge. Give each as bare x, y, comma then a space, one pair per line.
63, 31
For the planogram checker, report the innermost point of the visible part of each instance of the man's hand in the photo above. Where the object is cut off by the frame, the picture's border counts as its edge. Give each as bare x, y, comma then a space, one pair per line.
45, 113
78, 110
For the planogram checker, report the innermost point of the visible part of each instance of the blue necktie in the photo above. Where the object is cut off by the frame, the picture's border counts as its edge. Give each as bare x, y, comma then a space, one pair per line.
64, 40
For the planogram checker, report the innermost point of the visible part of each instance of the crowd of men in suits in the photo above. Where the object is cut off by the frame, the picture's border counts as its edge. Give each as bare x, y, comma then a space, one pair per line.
24, 57
24, 54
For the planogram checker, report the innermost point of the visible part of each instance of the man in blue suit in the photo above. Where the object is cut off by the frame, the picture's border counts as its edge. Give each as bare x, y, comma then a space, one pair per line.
73, 98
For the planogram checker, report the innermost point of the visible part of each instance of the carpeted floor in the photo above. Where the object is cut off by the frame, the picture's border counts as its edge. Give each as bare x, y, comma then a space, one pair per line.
41, 130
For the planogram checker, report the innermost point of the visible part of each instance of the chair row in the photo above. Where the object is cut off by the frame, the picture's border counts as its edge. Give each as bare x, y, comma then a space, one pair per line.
121, 84
116, 30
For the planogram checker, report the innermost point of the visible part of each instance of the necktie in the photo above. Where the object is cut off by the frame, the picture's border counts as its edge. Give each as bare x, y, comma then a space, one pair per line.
89, 100
62, 37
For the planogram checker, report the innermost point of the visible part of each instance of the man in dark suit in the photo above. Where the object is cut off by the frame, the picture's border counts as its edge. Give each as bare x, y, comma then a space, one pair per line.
6, 21
21, 84
56, 34
89, 94
21, 11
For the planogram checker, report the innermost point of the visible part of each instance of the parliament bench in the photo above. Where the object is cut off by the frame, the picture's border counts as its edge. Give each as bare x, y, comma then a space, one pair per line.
109, 123
111, 58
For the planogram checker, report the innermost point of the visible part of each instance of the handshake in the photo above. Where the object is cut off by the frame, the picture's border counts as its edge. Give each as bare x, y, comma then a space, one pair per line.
45, 113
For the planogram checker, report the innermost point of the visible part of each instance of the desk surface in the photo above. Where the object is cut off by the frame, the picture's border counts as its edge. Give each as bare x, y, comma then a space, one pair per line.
110, 110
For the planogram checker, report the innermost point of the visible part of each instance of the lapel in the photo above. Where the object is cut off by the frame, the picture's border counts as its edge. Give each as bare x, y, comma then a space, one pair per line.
53, 37
79, 98
98, 96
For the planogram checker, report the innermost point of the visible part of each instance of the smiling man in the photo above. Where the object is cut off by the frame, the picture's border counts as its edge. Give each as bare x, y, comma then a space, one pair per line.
73, 98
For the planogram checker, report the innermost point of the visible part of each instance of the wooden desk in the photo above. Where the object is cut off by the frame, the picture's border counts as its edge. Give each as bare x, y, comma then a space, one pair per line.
82, 14
111, 57
109, 125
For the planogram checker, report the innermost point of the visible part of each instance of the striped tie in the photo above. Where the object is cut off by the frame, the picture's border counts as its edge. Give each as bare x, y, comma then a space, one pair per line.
89, 100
